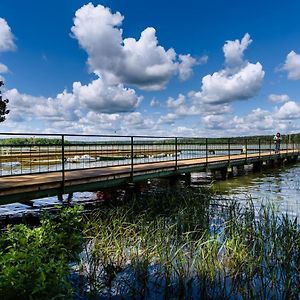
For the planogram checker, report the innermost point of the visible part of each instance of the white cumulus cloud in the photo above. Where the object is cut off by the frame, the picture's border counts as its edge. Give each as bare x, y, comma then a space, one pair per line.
6, 43
289, 110
292, 65
100, 97
3, 68
6, 37
71, 106
234, 51
240, 79
278, 98
143, 62
168, 119
186, 66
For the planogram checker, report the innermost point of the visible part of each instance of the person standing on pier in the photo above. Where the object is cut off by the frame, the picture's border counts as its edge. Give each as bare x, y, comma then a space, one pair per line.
277, 140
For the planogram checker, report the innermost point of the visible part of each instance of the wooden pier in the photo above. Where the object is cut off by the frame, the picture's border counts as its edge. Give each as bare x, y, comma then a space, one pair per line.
38, 185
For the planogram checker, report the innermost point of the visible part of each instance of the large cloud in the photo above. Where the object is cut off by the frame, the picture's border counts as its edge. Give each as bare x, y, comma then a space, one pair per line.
292, 65
289, 111
258, 121
136, 121
141, 62
6, 43
94, 97
6, 37
190, 106
99, 97
239, 80
88, 106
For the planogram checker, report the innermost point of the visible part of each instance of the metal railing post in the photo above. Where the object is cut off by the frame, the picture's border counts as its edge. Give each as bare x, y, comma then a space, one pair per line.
229, 150
270, 147
259, 149
131, 172
246, 150
206, 152
293, 145
63, 161
176, 153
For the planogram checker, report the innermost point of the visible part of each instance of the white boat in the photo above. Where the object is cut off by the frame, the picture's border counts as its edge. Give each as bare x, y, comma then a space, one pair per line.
11, 164
82, 158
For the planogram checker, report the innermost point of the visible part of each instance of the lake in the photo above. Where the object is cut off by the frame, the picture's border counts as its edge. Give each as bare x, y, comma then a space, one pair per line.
279, 186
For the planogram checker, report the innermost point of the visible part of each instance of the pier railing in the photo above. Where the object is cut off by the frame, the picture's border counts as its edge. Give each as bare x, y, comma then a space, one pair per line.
43, 153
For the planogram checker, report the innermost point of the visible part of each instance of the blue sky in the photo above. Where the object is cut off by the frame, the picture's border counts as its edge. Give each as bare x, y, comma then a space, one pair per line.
196, 68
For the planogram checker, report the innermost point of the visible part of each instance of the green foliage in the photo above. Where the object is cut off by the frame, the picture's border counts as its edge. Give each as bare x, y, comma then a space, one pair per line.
3, 106
31, 141
34, 262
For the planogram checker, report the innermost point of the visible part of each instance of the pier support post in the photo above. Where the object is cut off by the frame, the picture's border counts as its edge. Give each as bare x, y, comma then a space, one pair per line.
278, 161
187, 179
229, 172
133, 190
257, 166
173, 180
70, 197
240, 170
223, 173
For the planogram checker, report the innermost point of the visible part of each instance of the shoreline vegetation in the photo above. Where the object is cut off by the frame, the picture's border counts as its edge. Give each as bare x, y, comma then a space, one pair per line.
179, 244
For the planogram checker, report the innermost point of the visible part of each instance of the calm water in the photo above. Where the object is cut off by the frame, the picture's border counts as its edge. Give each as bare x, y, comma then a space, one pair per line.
280, 186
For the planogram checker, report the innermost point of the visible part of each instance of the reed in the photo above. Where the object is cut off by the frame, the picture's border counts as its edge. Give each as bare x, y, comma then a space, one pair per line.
185, 245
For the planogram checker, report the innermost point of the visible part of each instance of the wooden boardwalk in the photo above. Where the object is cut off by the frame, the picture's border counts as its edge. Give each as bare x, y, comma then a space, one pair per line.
46, 184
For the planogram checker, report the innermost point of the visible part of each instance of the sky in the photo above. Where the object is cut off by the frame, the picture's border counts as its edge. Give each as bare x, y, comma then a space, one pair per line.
170, 68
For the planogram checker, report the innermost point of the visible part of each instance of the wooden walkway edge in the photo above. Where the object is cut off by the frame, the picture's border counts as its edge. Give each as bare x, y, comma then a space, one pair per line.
46, 184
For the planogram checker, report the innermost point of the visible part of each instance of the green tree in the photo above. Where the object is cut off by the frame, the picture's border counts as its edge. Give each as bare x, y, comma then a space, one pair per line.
3, 105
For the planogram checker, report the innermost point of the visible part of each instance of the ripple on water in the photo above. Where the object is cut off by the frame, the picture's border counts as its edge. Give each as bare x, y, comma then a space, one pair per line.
277, 186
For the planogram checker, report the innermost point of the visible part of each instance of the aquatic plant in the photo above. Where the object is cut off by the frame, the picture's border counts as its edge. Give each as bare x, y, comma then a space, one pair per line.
185, 245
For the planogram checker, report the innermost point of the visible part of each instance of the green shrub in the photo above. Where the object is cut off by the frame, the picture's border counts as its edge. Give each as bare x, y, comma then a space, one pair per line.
34, 262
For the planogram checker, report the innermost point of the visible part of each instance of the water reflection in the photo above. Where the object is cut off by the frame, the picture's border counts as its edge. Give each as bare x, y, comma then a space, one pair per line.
278, 186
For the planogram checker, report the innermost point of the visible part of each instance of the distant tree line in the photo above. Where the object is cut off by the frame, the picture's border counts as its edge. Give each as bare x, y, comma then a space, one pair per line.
31, 141
264, 139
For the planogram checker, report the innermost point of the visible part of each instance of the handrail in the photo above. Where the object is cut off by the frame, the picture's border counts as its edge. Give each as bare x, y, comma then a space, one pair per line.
124, 136
31, 157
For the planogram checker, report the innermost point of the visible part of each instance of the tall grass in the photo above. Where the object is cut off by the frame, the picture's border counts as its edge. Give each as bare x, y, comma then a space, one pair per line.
183, 245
